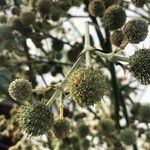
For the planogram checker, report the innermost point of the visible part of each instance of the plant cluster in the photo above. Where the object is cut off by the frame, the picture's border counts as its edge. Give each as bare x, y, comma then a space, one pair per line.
91, 100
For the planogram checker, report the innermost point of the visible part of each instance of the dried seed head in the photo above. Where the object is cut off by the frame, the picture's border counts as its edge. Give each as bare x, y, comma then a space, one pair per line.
138, 3
139, 66
86, 85
144, 113
128, 136
106, 126
36, 119
27, 17
20, 89
82, 130
61, 128
135, 30
117, 37
96, 8
114, 17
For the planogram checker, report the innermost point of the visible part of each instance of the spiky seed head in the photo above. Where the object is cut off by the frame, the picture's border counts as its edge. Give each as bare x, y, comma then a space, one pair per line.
61, 128
114, 17
108, 3
15, 10
117, 37
138, 3
6, 32
82, 130
144, 113
96, 8
128, 136
27, 17
135, 30
87, 85
20, 90
106, 126
35, 119
139, 66
3, 19
148, 136
44, 6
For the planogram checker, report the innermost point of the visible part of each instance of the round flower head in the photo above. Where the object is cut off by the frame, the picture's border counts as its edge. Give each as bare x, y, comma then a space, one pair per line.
61, 128
106, 126
44, 6
117, 37
36, 119
128, 136
27, 17
135, 30
82, 130
148, 136
20, 89
144, 113
109, 3
138, 3
57, 44
96, 8
114, 17
6, 32
139, 66
86, 85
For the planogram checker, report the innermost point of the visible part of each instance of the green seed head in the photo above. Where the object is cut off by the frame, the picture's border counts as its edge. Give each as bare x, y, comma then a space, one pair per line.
138, 3
82, 130
135, 30
117, 37
61, 128
148, 136
128, 136
106, 126
114, 17
96, 8
108, 3
27, 17
139, 66
144, 113
44, 6
36, 119
20, 89
87, 85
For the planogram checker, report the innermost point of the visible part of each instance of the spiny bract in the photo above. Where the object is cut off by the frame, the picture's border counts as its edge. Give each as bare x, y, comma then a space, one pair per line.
87, 85
61, 128
36, 119
128, 136
135, 30
20, 89
114, 17
139, 66
96, 8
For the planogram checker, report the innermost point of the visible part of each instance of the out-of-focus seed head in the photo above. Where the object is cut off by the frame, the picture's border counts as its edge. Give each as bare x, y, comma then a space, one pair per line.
96, 8
106, 126
135, 30
82, 130
139, 66
144, 113
20, 90
114, 17
61, 128
128, 136
87, 85
117, 37
138, 3
36, 119
6, 32
57, 44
